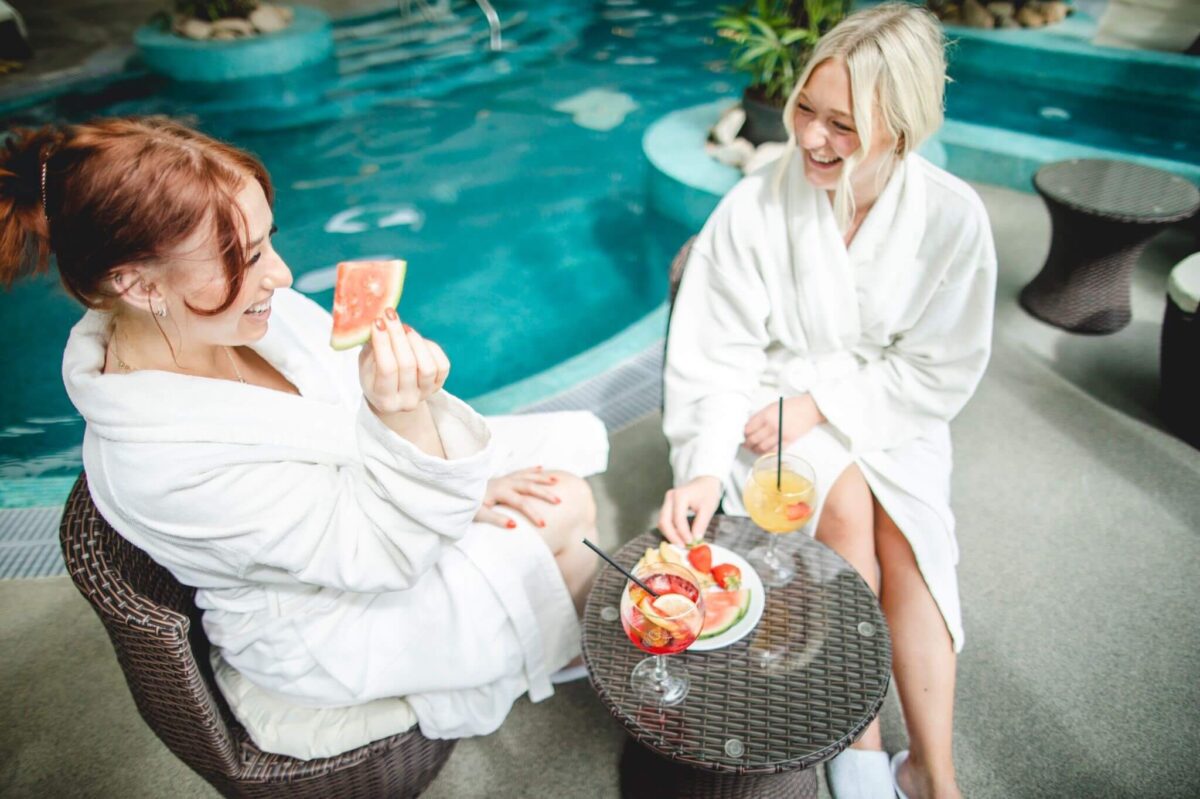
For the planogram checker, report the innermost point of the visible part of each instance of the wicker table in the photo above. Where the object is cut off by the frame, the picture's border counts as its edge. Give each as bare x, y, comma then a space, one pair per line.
1102, 214
747, 729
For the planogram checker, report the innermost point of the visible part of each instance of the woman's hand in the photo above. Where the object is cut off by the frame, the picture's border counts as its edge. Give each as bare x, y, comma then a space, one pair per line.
800, 414
398, 369
700, 496
517, 491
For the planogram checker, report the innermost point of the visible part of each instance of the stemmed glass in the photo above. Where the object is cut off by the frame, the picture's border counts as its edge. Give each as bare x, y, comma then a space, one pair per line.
780, 497
661, 626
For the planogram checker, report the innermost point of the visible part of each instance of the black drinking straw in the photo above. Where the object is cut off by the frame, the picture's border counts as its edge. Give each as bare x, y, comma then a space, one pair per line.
779, 451
619, 567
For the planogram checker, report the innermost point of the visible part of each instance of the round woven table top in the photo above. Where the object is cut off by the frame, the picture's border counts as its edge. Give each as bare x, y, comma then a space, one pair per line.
1120, 190
743, 714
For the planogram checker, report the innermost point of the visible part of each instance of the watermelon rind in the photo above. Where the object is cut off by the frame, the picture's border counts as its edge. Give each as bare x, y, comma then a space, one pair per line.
734, 618
353, 337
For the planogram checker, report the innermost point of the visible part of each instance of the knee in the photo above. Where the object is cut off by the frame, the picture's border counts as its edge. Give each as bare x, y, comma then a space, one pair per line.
578, 504
846, 515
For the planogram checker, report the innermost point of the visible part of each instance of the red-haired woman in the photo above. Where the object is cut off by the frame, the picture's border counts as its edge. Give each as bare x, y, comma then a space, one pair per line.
338, 515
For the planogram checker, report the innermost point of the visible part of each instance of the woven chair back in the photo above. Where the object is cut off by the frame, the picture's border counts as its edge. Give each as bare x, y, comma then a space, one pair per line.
154, 625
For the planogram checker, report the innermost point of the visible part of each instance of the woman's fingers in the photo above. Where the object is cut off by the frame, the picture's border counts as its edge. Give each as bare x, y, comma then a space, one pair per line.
383, 382
441, 362
700, 522
532, 489
522, 505
666, 519
425, 366
679, 519
490, 516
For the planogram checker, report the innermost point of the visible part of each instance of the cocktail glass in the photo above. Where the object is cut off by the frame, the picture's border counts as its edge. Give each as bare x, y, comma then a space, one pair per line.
661, 626
780, 498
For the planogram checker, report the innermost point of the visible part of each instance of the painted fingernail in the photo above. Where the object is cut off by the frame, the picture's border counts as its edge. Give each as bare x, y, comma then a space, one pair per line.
382, 325
407, 327
391, 314
558, 500
541, 524
511, 525
553, 480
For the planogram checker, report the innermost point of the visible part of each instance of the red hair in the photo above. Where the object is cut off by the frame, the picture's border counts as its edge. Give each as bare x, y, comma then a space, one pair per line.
119, 192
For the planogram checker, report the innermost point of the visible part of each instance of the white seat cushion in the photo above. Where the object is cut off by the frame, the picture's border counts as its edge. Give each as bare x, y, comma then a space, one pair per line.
278, 726
1183, 286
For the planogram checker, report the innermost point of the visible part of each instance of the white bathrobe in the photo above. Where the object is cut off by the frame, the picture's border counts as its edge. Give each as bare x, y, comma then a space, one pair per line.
336, 563
890, 338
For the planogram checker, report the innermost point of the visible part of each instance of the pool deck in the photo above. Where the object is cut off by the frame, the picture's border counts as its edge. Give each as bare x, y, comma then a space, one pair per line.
1077, 521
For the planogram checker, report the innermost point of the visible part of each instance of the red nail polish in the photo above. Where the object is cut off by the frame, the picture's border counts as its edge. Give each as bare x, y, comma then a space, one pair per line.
511, 524
407, 327
541, 524
390, 313
558, 500
382, 325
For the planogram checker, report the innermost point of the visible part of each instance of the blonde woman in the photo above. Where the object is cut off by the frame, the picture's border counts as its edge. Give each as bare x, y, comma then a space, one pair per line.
856, 280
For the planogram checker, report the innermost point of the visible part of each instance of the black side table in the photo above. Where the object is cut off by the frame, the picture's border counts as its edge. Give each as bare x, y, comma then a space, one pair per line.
1102, 214
749, 727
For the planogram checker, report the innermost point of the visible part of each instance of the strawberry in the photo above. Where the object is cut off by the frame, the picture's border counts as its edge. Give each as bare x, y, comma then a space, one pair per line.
798, 510
727, 576
701, 558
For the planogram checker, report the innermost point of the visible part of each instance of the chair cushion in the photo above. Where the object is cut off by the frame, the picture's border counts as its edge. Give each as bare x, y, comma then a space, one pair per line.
1183, 286
278, 726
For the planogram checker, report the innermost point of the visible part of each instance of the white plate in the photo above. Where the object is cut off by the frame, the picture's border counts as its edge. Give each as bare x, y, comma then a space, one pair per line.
758, 601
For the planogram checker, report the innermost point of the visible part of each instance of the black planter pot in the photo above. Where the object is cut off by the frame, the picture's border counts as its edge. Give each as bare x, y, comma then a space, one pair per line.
764, 122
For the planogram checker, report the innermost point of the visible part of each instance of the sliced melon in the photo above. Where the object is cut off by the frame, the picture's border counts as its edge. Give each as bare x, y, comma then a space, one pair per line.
363, 291
722, 610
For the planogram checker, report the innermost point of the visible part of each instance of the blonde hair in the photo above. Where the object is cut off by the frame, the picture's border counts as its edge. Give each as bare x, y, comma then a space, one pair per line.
895, 54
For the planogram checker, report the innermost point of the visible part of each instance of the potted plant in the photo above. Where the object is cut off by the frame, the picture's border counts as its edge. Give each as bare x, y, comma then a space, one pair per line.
771, 40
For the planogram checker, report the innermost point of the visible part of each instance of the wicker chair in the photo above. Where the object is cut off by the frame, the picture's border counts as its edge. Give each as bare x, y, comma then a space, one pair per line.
154, 625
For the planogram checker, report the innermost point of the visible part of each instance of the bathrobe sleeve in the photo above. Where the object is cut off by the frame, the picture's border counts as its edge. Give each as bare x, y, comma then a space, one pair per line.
716, 349
256, 514
930, 369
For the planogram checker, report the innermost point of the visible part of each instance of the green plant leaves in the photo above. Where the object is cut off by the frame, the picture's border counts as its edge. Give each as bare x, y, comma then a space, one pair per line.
770, 45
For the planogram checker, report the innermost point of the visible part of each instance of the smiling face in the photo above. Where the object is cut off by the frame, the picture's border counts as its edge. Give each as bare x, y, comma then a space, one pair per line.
196, 276
827, 135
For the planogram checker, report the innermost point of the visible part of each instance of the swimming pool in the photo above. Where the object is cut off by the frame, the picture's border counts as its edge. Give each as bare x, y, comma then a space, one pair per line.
511, 182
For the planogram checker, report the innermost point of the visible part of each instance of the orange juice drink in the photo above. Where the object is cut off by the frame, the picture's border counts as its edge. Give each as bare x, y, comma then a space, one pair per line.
782, 508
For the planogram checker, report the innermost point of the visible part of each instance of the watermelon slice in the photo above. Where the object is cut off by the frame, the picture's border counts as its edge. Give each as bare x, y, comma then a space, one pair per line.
364, 290
722, 610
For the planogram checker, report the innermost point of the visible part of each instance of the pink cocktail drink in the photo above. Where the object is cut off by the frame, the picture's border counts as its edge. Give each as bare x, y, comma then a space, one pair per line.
662, 625
655, 626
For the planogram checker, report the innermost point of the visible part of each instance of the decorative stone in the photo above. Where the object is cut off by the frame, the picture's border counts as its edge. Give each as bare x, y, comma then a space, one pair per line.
977, 16
235, 28
268, 19
764, 154
733, 154
727, 127
1001, 10
193, 28
1030, 18
1055, 11
1008, 23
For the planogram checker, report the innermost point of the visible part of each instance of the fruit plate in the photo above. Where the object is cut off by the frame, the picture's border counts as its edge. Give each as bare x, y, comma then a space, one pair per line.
758, 601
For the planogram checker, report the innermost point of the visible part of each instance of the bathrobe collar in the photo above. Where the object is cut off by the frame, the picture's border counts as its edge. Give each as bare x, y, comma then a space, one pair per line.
163, 407
884, 248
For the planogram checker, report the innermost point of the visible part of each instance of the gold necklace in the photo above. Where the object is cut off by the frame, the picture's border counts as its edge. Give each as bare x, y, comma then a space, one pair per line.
126, 367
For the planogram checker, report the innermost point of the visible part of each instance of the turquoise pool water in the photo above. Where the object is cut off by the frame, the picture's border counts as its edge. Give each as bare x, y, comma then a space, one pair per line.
511, 182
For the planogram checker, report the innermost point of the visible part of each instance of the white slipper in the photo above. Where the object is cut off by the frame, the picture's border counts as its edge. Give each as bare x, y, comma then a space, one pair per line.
569, 674
897, 762
859, 774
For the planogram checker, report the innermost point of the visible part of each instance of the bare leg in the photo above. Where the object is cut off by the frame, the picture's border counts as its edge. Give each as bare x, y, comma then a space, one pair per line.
924, 662
847, 526
566, 526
